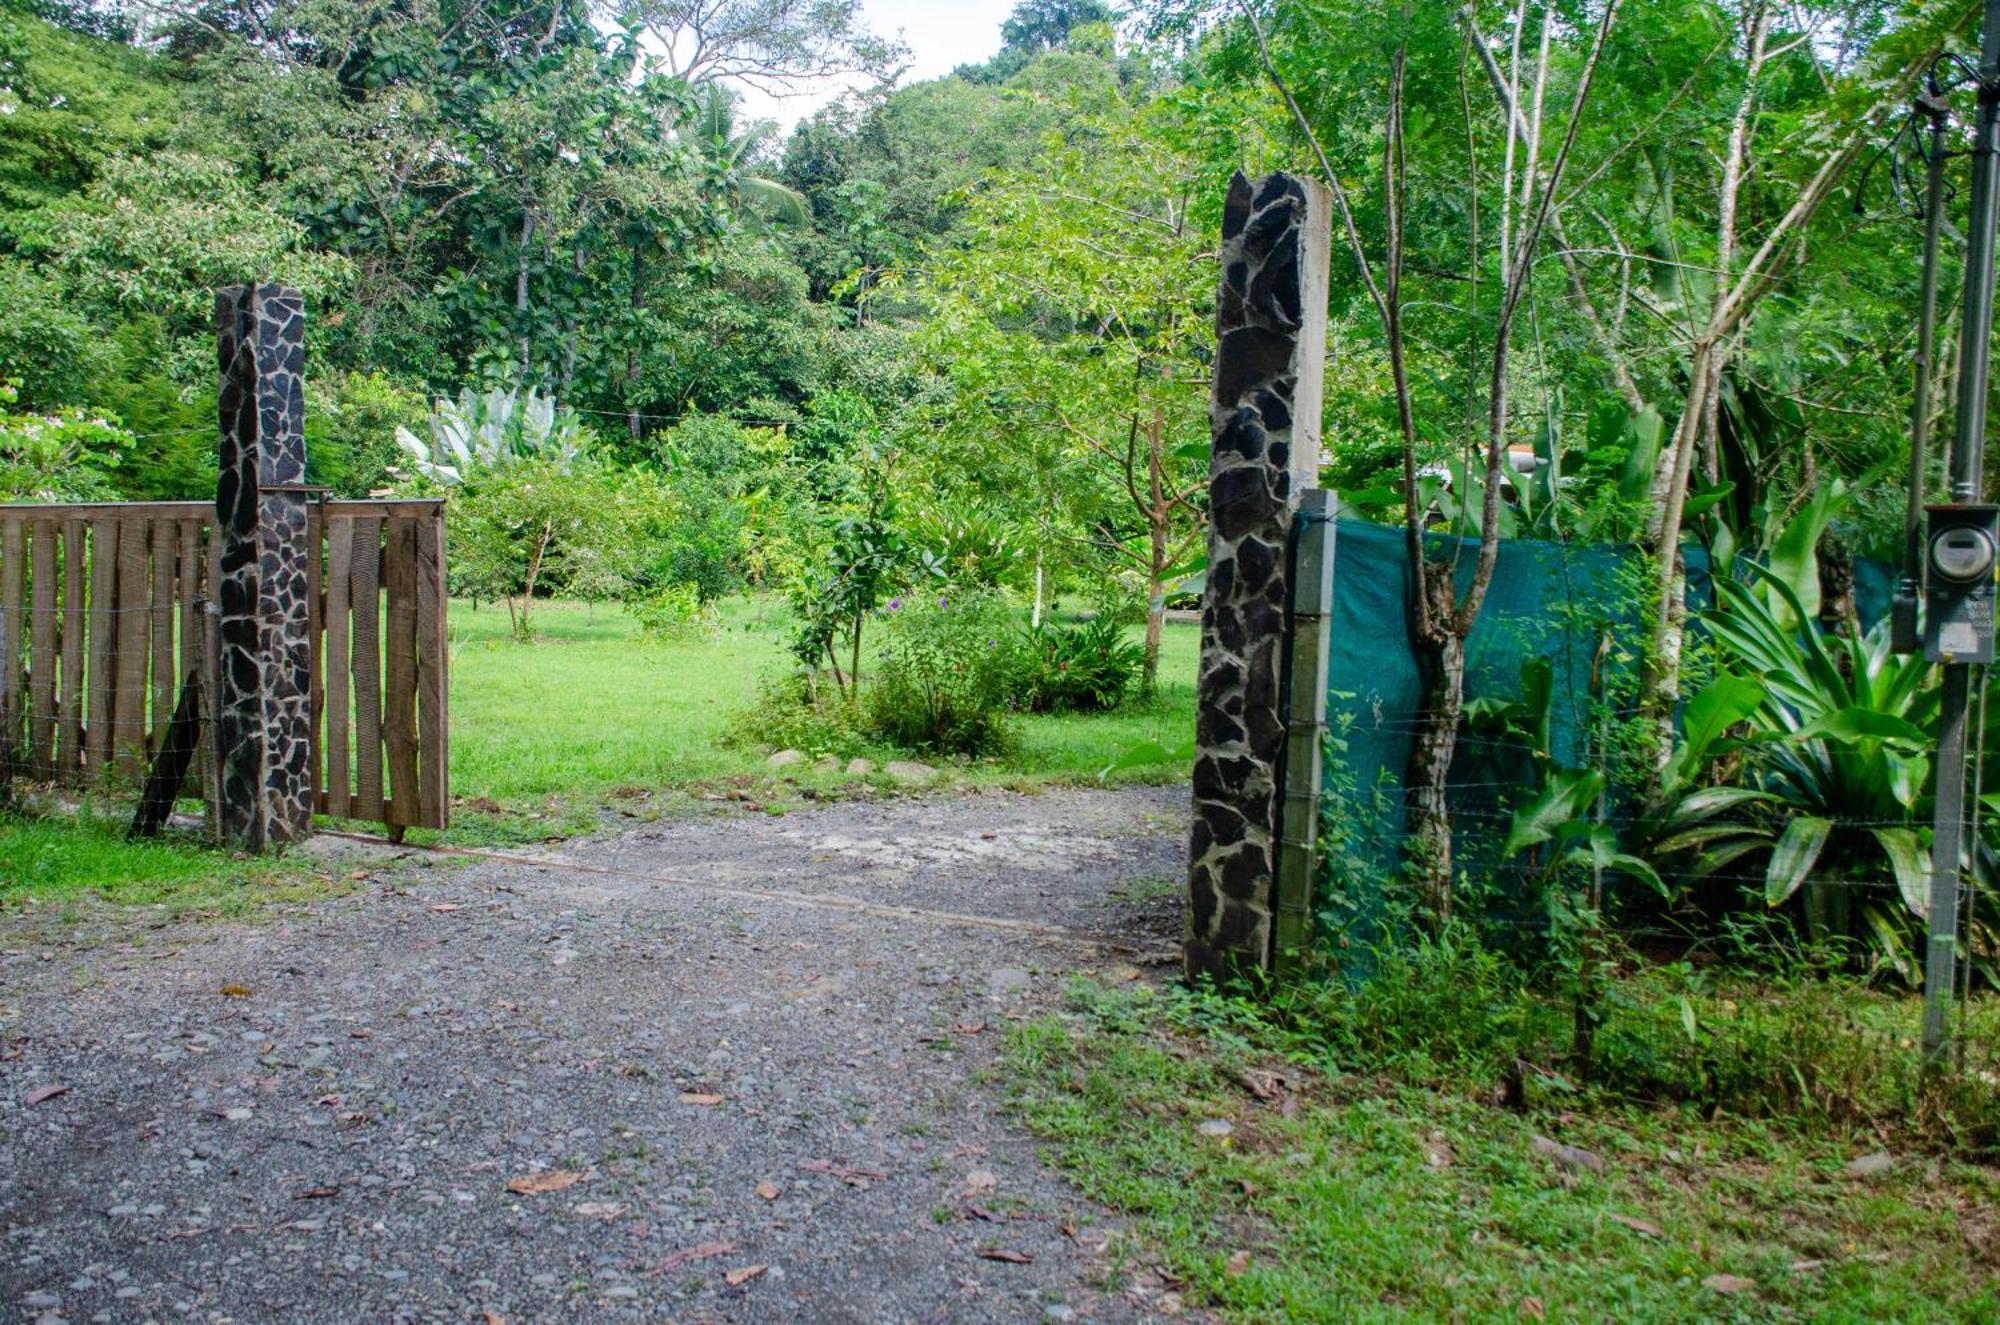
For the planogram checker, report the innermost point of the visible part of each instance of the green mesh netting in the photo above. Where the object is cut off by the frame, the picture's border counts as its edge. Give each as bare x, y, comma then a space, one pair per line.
1547, 600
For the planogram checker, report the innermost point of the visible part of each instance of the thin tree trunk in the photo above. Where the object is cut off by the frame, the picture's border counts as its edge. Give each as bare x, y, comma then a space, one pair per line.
632, 419
1156, 562
1035, 618
534, 573
521, 291
1440, 657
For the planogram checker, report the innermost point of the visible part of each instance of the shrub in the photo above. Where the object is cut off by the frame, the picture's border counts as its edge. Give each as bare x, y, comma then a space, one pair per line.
1076, 668
56, 457
793, 713
674, 612
944, 676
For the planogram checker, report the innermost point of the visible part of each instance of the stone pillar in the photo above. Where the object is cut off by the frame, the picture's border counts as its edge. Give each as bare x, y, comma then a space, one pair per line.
1265, 420
263, 711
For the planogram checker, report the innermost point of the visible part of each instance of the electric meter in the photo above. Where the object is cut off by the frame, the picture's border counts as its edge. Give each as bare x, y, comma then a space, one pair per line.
1964, 547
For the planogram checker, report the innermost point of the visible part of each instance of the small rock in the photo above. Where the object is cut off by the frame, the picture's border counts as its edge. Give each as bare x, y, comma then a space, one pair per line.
827, 765
860, 768
41, 1301
621, 1291
1057, 1311
1216, 1127
1871, 1166
1007, 980
909, 771
785, 759
1574, 1158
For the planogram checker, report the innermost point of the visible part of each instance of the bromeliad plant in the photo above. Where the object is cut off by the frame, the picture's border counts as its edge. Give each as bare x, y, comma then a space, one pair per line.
1838, 744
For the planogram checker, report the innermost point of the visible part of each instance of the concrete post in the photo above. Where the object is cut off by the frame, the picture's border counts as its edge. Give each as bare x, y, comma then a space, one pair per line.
263, 712
1264, 416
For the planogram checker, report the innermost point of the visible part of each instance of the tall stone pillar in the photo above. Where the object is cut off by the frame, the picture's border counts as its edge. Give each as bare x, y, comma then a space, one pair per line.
1265, 421
263, 709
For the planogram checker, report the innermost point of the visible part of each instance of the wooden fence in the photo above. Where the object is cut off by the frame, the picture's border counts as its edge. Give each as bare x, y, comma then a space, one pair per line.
103, 619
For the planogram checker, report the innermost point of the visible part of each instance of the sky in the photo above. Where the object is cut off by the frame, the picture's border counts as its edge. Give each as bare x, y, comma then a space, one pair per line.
941, 35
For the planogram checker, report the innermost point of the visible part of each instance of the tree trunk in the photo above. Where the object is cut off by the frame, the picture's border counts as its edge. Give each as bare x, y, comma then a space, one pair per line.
524, 630
521, 292
1158, 514
632, 420
1440, 659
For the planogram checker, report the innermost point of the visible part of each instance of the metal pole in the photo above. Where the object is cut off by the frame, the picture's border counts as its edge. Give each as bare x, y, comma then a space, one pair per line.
1968, 461
1932, 105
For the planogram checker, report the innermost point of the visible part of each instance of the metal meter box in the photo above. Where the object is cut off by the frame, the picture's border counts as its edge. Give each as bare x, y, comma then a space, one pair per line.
1961, 554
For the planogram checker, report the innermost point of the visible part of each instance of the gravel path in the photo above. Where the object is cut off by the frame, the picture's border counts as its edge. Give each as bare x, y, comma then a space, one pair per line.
318, 1118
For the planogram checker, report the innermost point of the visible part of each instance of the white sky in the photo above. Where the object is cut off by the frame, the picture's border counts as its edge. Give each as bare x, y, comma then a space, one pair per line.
941, 35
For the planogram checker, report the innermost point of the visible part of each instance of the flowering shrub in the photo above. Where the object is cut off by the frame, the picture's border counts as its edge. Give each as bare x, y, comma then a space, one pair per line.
56, 457
945, 674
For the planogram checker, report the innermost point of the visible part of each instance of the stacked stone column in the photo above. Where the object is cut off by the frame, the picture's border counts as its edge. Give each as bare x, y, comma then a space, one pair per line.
263, 708
1264, 415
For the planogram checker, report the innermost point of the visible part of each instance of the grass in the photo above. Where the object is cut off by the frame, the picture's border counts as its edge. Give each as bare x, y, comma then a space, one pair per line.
549, 737
59, 858
1387, 1197
592, 706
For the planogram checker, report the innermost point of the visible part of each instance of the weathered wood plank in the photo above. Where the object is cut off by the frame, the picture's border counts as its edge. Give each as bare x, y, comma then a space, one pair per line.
13, 611
339, 786
399, 673
166, 688
134, 621
189, 659
315, 668
433, 681
367, 668
100, 720
42, 651
75, 635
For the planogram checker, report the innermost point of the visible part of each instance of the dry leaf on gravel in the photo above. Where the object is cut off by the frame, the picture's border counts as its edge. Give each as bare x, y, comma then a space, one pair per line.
740, 1277
969, 1027
699, 1097
550, 1180
851, 1176
235, 991
40, 1093
768, 1190
599, 1210
1006, 1254
686, 1255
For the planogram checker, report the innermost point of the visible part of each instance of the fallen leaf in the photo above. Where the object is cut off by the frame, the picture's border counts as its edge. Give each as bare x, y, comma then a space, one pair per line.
1728, 1283
316, 1193
1238, 1263
549, 1180
1532, 1308
768, 1190
852, 1177
978, 1181
492, 1318
235, 991
1568, 1157
443, 907
969, 1027
687, 1255
1805, 1267
1637, 1225
1006, 1254
978, 1211
40, 1093
600, 1210
699, 1097
1264, 1085
738, 1278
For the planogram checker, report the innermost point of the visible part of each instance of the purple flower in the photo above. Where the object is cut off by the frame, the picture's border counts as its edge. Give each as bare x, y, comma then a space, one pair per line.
943, 603
895, 604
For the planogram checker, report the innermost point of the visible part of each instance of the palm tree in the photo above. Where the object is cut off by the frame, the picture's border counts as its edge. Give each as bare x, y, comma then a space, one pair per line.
727, 145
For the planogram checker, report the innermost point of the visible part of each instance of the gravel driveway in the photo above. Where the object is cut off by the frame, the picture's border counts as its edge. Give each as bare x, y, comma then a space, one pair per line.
481, 1091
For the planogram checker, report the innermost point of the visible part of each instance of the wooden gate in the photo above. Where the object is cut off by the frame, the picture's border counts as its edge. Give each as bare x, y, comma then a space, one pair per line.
105, 612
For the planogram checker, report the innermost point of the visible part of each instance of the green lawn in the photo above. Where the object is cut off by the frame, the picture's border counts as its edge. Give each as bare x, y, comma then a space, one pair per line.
592, 706
543, 734
1393, 1196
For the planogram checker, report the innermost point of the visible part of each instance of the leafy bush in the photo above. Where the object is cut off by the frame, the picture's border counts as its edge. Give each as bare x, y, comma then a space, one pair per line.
1079, 669
794, 713
674, 612
944, 676
56, 457
352, 422
49, 349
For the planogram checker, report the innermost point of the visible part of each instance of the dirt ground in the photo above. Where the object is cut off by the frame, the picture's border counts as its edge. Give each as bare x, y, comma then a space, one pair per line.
737, 1068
